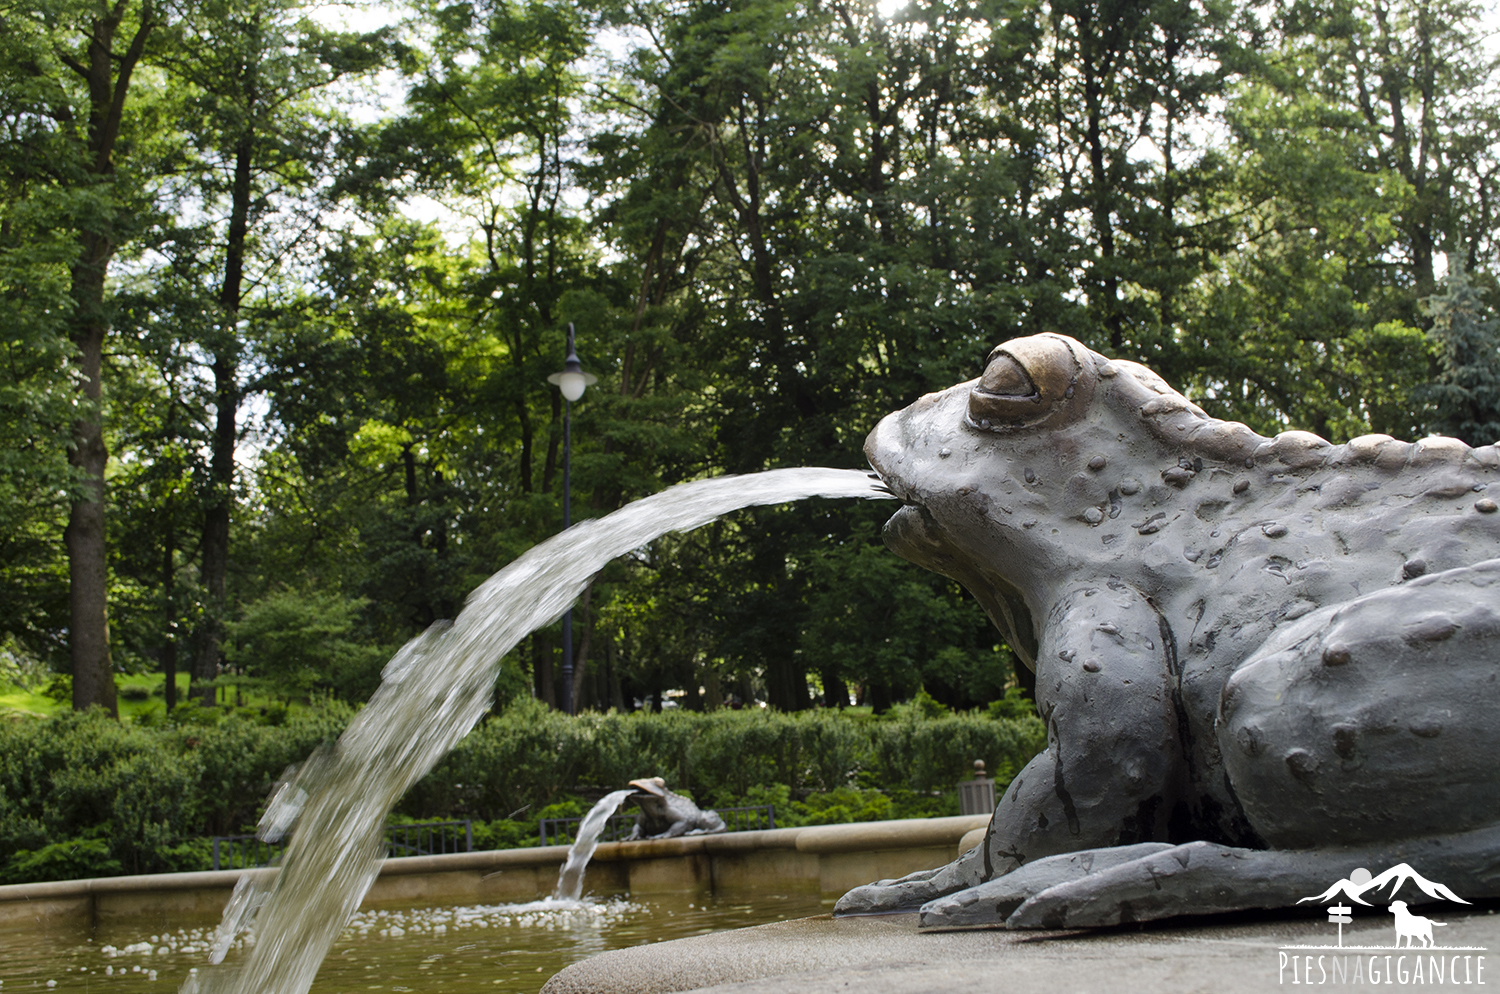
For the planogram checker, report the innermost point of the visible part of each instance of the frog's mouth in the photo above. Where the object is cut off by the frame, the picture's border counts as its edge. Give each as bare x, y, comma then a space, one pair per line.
654, 787
914, 534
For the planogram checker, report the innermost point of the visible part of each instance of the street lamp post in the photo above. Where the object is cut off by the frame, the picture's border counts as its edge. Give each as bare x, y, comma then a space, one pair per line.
572, 381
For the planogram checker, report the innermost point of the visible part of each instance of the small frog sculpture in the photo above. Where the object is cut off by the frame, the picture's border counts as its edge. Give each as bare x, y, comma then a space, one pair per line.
1262, 662
666, 815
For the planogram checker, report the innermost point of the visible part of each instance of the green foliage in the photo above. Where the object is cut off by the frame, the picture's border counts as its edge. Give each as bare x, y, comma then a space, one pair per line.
1015, 705
1466, 395
529, 756
922, 705
81, 793
306, 640
772, 222
71, 859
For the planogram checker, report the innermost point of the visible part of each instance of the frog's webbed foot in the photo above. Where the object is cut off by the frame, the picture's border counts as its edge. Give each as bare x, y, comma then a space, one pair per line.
915, 889
1102, 887
1198, 878
992, 902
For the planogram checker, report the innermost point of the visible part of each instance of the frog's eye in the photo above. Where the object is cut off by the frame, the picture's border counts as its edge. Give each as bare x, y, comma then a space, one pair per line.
1030, 380
1004, 377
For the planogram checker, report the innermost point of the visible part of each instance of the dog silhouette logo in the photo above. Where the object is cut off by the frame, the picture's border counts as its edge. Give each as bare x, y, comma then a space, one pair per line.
1415, 957
1410, 926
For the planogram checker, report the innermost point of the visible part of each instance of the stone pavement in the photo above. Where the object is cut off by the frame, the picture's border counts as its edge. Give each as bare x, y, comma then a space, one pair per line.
887, 955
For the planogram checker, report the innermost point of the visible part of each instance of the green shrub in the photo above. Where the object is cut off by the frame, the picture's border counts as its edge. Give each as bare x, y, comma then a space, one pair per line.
925, 755
139, 798
1015, 705
530, 756
504, 834
306, 639
72, 859
136, 799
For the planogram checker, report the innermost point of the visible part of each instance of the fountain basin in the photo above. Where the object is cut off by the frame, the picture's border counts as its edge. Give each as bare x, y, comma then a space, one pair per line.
825, 860
442, 949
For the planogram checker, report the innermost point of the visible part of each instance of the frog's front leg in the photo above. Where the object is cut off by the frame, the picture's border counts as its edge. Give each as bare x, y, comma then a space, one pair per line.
1112, 772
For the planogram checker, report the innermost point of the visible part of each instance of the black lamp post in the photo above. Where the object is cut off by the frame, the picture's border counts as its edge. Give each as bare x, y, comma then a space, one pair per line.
572, 381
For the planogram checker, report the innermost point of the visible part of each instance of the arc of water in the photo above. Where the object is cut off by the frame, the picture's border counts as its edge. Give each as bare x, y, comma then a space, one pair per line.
432, 692
570, 877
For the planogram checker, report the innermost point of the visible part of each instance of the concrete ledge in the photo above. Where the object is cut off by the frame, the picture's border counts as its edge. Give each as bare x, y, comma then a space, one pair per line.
873, 836
825, 859
1244, 954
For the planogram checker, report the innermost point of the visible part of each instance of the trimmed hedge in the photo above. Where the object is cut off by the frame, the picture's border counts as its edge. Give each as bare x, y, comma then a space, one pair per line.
530, 756
83, 795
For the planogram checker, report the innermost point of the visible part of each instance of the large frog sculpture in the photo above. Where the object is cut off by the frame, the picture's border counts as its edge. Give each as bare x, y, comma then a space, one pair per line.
1262, 662
666, 814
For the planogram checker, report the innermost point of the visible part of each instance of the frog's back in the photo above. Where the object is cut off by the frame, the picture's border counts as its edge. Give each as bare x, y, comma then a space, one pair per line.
1245, 534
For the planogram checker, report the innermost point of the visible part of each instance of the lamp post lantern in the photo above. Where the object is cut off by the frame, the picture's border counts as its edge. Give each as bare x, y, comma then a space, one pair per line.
572, 381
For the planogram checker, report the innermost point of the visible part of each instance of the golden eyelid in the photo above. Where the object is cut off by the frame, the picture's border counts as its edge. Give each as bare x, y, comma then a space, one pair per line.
1004, 376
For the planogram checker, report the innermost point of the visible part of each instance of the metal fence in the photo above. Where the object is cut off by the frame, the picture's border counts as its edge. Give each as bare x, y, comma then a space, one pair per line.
429, 838
238, 852
977, 796
562, 831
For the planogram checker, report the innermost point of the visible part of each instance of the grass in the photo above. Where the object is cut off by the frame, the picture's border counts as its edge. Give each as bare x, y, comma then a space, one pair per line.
18, 700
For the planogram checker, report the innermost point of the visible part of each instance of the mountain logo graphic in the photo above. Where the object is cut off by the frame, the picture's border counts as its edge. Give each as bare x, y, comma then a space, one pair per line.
1416, 957
1360, 882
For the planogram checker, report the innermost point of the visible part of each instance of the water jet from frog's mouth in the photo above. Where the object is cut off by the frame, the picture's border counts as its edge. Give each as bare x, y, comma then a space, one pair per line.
432, 692
570, 877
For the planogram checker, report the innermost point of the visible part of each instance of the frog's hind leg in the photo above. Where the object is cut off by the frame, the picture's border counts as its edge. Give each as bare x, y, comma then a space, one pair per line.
915, 889
1206, 878
1373, 719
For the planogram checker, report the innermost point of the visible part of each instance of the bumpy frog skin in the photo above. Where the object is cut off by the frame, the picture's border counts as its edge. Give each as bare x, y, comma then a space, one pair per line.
1262, 662
666, 814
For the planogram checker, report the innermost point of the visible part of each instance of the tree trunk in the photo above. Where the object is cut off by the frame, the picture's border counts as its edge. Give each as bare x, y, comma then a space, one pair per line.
835, 691
581, 656
616, 692
541, 670
88, 567
713, 697
226, 432
107, 74
169, 619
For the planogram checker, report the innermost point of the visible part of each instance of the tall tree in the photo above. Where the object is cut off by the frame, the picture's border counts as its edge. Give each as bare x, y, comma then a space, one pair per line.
91, 58
256, 71
1363, 135
1466, 394
37, 409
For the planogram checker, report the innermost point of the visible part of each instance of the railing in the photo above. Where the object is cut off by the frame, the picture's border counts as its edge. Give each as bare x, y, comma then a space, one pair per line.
429, 838
562, 831
977, 796
239, 852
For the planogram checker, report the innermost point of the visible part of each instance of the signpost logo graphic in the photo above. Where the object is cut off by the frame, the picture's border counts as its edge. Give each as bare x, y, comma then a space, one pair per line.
1410, 928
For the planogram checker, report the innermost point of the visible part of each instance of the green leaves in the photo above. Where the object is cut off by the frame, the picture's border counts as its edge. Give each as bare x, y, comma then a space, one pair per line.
772, 222
529, 756
1466, 334
299, 640
82, 795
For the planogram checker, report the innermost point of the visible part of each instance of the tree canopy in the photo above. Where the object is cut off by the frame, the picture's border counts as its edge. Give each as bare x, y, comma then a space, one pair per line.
282, 288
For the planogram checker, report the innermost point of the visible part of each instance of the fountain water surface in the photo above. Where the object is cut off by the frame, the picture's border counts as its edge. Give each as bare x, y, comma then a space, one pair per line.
432, 692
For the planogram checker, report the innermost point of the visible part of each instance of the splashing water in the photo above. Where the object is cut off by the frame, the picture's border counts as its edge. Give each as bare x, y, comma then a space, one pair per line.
570, 877
432, 692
